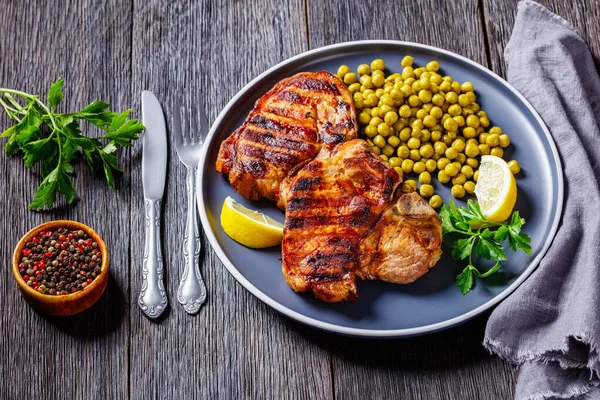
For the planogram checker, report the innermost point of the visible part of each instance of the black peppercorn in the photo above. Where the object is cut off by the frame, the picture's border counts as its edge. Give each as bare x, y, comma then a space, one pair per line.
60, 261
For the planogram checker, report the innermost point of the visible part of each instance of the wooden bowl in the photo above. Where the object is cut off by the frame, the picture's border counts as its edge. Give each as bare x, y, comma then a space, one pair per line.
68, 304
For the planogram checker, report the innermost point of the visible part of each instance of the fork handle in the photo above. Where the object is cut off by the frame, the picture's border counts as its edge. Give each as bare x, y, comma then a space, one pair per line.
153, 298
192, 291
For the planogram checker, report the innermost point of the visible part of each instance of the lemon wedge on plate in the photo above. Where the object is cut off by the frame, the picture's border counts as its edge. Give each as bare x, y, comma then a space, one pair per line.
250, 228
496, 189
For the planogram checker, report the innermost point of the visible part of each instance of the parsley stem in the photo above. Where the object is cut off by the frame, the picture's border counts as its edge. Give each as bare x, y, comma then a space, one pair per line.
37, 100
45, 108
14, 102
10, 111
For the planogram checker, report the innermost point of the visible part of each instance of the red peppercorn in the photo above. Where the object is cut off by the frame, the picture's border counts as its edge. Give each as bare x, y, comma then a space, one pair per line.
38, 272
48, 254
36, 239
89, 281
87, 242
26, 277
42, 233
26, 252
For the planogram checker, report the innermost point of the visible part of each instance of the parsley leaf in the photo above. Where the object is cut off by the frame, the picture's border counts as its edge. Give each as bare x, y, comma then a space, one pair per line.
474, 232
122, 131
55, 94
54, 140
462, 248
464, 280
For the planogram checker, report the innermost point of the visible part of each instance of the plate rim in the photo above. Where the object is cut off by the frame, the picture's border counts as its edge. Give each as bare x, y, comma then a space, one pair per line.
361, 332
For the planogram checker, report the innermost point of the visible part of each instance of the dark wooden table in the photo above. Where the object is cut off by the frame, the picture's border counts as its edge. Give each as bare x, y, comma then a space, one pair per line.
236, 347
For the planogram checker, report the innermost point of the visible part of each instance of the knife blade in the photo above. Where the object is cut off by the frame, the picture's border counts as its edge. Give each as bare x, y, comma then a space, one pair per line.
153, 298
154, 155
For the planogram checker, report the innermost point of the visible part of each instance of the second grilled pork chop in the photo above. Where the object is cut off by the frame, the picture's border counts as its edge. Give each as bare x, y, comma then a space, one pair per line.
287, 127
331, 204
343, 222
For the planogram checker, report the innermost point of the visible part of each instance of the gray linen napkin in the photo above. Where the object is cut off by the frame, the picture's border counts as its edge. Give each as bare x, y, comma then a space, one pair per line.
550, 326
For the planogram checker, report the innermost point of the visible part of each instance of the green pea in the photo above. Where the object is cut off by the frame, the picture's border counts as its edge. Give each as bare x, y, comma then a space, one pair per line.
343, 70
407, 61
350, 78
394, 141
379, 141
378, 64
364, 69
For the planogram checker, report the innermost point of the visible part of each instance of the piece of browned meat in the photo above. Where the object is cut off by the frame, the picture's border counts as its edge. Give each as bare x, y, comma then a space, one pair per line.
404, 244
331, 204
287, 127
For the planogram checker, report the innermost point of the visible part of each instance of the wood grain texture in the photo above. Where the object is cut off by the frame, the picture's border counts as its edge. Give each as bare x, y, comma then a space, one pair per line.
236, 347
584, 15
450, 364
452, 25
83, 356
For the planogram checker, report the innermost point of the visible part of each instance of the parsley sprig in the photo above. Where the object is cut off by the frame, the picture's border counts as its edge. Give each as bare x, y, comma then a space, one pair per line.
486, 237
44, 136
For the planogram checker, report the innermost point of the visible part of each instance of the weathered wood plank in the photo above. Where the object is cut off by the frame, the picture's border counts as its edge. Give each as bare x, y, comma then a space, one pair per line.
84, 356
452, 25
450, 364
203, 53
500, 17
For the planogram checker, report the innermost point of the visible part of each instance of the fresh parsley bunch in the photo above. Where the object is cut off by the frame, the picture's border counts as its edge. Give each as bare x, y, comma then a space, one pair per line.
486, 237
41, 134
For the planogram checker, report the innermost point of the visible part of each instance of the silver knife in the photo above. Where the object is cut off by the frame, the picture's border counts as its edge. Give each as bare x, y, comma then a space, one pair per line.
153, 298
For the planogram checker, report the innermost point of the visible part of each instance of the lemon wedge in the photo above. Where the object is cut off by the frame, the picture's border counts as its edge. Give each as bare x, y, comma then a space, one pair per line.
250, 228
496, 189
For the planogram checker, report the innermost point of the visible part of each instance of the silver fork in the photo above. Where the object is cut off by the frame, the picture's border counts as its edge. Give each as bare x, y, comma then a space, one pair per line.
192, 291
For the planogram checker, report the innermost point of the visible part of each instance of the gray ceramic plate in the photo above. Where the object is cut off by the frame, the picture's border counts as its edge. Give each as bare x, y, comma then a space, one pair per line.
386, 310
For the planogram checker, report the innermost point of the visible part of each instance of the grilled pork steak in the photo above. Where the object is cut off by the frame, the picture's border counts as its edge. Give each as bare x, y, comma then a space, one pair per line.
287, 127
331, 204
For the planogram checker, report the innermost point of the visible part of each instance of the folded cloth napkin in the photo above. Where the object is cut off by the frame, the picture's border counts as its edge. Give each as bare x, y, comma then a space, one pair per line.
550, 325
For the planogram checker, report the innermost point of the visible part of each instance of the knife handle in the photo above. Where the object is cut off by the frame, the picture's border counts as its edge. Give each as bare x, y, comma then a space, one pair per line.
153, 298
192, 291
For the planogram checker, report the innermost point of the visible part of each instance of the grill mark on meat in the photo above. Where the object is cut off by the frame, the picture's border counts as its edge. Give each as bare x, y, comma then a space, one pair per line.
360, 219
348, 124
277, 158
312, 203
280, 143
324, 277
342, 242
255, 167
329, 137
260, 121
315, 85
322, 259
287, 112
304, 184
294, 97
389, 184
343, 106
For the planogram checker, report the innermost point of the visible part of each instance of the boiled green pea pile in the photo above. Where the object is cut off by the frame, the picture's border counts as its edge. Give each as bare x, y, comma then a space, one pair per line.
424, 123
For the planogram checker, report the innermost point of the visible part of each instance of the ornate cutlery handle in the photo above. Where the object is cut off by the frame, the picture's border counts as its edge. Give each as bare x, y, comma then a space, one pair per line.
153, 299
192, 291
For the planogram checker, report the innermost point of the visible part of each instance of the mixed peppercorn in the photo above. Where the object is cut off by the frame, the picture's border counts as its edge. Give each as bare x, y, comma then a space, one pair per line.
60, 261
